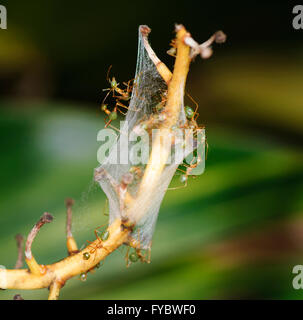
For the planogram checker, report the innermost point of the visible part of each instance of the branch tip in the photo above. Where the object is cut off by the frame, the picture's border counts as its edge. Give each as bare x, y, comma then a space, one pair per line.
178, 27
220, 37
69, 202
46, 218
145, 30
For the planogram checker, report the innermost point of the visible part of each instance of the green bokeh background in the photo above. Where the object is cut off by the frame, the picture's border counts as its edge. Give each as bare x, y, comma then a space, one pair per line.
234, 232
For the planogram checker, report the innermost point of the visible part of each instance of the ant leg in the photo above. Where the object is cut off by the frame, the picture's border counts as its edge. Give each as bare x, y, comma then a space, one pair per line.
124, 106
95, 231
107, 74
91, 246
121, 111
181, 169
113, 127
179, 187
129, 86
194, 101
121, 105
109, 91
107, 123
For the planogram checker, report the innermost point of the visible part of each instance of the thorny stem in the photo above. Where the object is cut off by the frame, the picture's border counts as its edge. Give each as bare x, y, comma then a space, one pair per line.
55, 275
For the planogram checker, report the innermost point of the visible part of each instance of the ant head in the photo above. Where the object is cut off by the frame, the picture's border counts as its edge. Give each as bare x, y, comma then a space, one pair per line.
113, 82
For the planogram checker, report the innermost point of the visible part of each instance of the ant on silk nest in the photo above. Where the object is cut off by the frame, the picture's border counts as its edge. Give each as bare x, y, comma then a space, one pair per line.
117, 93
144, 255
191, 123
156, 118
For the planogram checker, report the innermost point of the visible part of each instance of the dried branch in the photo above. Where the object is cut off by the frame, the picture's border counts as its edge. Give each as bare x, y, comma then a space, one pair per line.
55, 275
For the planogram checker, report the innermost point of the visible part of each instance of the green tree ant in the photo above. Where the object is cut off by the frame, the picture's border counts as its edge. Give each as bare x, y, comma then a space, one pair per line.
118, 94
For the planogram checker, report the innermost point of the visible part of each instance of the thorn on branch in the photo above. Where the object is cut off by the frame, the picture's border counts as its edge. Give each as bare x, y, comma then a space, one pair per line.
30, 260
70, 241
19, 239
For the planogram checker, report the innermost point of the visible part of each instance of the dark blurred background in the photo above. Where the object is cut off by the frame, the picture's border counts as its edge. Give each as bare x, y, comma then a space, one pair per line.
234, 232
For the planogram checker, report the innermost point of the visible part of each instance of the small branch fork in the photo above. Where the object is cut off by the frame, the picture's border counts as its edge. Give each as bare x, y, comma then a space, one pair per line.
81, 262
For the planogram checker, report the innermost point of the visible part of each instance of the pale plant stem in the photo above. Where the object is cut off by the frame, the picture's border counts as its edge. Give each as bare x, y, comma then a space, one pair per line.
55, 275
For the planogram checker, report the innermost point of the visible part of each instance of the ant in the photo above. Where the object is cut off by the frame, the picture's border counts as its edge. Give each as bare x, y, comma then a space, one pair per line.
112, 115
190, 114
122, 95
114, 87
99, 245
173, 50
137, 254
185, 173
